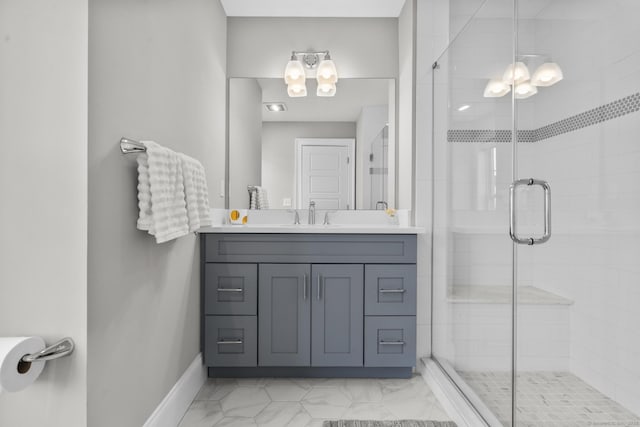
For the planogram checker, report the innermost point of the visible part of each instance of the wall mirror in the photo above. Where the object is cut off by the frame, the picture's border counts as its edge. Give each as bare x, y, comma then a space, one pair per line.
338, 151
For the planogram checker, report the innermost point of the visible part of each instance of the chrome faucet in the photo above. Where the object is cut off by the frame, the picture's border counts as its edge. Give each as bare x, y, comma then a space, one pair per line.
312, 212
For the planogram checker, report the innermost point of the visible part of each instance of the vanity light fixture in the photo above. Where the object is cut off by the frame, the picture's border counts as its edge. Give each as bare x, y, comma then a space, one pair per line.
275, 107
547, 74
464, 107
295, 73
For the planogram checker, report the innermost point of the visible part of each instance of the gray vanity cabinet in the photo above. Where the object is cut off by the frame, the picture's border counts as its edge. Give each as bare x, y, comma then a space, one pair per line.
309, 304
337, 315
284, 317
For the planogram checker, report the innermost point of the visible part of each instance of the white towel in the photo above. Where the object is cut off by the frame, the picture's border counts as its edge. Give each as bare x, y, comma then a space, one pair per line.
196, 193
161, 193
258, 197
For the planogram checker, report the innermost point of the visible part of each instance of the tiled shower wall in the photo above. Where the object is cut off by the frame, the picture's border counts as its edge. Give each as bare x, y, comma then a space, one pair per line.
593, 167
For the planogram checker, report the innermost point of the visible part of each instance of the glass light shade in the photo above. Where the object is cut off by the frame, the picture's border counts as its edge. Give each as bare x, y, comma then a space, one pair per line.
496, 88
327, 72
547, 74
516, 73
525, 90
326, 89
293, 71
296, 90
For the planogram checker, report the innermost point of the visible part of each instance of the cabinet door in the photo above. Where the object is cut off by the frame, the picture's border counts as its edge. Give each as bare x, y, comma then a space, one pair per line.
284, 315
337, 315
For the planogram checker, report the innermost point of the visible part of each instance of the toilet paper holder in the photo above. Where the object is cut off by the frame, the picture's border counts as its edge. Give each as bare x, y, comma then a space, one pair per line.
62, 348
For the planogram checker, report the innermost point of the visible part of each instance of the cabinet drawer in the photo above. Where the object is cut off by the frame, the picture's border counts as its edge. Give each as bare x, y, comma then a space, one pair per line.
231, 289
390, 290
231, 341
389, 341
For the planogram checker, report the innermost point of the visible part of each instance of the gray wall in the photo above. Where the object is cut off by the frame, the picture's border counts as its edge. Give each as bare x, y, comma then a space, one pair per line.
43, 188
245, 135
360, 47
157, 71
278, 153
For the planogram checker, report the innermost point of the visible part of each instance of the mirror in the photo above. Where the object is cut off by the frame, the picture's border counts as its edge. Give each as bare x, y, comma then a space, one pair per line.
336, 151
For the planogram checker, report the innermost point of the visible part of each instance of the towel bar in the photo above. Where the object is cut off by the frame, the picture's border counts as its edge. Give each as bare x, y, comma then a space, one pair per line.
128, 146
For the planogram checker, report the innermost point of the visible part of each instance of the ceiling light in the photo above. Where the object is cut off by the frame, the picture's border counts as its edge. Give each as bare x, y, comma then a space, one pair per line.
326, 73
547, 74
464, 107
516, 73
525, 90
275, 107
496, 88
326, 89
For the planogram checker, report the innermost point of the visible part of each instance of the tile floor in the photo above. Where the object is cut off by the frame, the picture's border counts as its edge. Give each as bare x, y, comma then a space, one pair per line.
547, 399
307, 402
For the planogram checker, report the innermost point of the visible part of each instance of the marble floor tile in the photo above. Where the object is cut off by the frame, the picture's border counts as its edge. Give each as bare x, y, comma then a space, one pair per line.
368, 411
283, 414
245, 402
216, 389
362, 390
236, 422
202, 413
307, 402
326, 402
287, 389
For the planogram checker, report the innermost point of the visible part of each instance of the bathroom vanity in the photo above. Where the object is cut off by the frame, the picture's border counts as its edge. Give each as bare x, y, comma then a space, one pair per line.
307, 302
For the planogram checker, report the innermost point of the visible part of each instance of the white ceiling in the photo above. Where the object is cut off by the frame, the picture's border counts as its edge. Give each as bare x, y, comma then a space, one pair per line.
345, 106
314, 8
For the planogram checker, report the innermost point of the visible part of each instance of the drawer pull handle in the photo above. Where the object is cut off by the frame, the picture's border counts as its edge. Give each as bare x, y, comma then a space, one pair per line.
230, 290
391, 343
392, 291
230, 342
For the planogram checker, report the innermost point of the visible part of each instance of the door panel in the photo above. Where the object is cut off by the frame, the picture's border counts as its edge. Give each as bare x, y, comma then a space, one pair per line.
284, 315
337, 315
326, 173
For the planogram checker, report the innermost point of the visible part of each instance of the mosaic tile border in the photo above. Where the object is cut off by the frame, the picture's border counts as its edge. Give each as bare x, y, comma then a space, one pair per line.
621, 107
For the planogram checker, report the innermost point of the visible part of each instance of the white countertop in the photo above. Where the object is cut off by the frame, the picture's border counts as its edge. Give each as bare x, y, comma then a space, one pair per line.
313, 229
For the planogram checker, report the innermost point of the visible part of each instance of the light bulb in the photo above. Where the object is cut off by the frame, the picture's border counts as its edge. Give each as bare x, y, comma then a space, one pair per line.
525, 90
516, 73
326, 89
547, 74
296, 90
496, 88
327, 72
293, 71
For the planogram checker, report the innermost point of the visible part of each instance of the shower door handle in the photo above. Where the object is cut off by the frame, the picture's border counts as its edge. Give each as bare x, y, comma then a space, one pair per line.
547, 212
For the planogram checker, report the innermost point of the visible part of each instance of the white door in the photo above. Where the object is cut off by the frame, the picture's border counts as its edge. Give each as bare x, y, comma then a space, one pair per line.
325, 173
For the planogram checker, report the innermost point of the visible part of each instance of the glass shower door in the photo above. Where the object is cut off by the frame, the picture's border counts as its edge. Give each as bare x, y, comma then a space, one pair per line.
578, 295
472, 252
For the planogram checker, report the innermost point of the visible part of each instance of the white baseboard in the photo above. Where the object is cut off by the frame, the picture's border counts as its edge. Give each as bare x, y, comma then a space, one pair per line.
177, 401
449, 397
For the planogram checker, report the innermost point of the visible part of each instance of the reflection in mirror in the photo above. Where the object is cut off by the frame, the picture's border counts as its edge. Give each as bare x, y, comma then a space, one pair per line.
286, 152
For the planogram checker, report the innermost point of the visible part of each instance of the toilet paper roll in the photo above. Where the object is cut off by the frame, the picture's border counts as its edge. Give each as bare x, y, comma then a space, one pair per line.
16, 375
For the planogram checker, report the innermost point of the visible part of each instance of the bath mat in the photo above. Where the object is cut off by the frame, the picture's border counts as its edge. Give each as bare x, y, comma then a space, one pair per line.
399, 423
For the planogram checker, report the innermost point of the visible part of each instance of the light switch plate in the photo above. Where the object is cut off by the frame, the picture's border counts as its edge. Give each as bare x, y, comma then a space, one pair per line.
286, 202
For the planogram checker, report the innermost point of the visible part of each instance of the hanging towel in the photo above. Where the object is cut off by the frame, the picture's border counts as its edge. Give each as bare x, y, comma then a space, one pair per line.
196, 193
258, 197
161, 193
